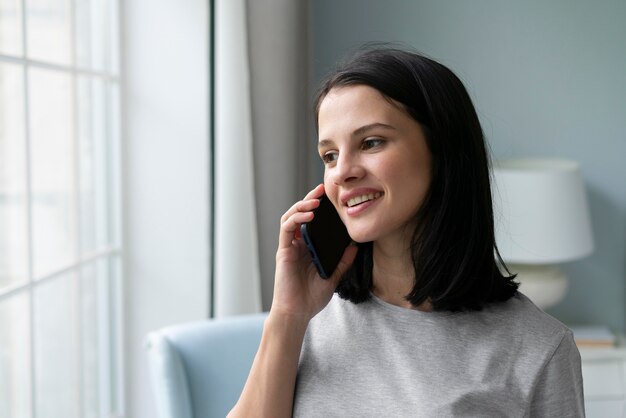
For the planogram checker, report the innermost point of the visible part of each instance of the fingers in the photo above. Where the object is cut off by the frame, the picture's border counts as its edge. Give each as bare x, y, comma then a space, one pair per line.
302, 205
316, 193
299, 213
290, 226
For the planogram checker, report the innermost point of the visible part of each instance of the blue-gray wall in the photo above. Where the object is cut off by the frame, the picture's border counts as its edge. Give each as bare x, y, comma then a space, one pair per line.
548, 78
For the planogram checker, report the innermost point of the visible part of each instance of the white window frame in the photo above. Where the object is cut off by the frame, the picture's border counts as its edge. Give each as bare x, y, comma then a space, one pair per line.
110, 341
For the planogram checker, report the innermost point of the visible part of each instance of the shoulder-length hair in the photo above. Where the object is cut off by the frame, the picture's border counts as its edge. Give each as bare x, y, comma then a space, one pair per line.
456, 261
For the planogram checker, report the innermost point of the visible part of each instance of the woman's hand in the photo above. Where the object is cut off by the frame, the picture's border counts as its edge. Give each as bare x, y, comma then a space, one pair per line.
299, 294
299, 291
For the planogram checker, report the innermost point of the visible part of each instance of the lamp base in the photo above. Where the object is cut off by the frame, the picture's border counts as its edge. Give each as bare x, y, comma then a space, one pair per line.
544, 285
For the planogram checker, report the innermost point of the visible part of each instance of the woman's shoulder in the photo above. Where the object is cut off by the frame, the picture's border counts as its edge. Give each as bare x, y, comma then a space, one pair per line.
520, 307
525, 319
517, 321
341, 308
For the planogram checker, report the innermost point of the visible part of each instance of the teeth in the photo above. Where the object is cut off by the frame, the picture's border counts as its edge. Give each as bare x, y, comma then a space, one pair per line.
364, 198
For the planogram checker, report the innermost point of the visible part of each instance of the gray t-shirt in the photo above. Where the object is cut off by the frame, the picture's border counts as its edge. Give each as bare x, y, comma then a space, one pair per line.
375, 359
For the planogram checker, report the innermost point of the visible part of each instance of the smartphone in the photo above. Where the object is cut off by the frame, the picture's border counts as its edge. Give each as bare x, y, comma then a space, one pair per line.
326, 238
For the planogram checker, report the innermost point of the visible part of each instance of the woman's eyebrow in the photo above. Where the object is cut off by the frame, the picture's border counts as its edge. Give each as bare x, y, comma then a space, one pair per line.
324, 143
363, 129
357, 132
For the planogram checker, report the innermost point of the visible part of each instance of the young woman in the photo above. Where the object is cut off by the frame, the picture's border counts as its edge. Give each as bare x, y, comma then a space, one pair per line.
424, 323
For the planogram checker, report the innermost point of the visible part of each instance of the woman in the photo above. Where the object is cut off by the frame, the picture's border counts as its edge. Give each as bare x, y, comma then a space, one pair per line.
424, 323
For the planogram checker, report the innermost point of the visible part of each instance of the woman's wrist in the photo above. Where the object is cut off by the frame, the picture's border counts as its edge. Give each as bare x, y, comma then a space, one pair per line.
284, 320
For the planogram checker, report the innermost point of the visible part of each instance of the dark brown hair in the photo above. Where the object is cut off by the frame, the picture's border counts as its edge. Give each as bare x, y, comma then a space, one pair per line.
457, 265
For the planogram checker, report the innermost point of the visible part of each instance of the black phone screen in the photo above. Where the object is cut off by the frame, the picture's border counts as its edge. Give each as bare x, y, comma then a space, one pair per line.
326, 238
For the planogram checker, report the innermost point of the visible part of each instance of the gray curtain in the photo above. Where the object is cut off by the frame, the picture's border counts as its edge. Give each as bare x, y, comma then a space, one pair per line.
281, 122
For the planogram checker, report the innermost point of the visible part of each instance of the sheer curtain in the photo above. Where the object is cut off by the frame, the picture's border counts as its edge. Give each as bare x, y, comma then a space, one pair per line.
262, 142
285, 155
237, 277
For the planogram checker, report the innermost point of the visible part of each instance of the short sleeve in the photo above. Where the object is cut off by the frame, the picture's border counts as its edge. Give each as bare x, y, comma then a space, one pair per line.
559, 389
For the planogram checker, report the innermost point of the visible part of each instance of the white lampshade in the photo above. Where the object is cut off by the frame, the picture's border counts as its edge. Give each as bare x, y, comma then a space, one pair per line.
541, 211
542, 218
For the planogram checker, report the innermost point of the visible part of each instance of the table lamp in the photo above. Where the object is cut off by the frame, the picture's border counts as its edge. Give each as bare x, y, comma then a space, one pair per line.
542, 219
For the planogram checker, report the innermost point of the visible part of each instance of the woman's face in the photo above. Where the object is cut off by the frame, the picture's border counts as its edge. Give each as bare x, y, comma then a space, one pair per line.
377, 163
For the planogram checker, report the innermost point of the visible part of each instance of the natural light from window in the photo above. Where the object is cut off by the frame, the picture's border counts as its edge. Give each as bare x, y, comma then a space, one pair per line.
60, 239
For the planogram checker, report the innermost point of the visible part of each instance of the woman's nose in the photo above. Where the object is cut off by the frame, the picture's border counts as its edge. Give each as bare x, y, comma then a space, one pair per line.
347, 169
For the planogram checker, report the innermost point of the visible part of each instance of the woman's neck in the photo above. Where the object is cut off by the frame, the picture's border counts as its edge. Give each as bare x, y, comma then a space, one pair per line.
393, 275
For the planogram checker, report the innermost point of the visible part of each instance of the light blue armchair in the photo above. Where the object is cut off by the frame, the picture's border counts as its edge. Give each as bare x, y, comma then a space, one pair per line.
199, 369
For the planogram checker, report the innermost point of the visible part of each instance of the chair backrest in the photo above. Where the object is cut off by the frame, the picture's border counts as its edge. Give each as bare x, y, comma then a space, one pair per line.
199, 369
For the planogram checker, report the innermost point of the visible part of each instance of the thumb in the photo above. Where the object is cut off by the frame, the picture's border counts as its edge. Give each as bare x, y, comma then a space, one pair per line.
344, 264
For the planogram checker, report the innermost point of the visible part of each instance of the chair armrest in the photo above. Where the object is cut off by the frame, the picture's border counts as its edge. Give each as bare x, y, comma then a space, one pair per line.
169, 380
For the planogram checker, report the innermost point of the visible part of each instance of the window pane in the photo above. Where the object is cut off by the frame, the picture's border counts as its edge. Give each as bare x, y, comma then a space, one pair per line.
11, 27
113, 32
13, 220
97, 35
56, 353
52, 170
115, 182
113, 287
49, 30
93, 158
91, 19
90, 324
14, 357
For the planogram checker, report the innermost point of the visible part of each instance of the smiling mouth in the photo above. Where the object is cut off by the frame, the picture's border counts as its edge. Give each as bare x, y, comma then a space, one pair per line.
357, 200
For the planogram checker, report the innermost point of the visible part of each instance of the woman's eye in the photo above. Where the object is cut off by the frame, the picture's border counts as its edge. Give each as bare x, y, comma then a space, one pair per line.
329, 157
371, 143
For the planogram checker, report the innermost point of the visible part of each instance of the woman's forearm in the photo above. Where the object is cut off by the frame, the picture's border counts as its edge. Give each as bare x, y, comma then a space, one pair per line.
269, 390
